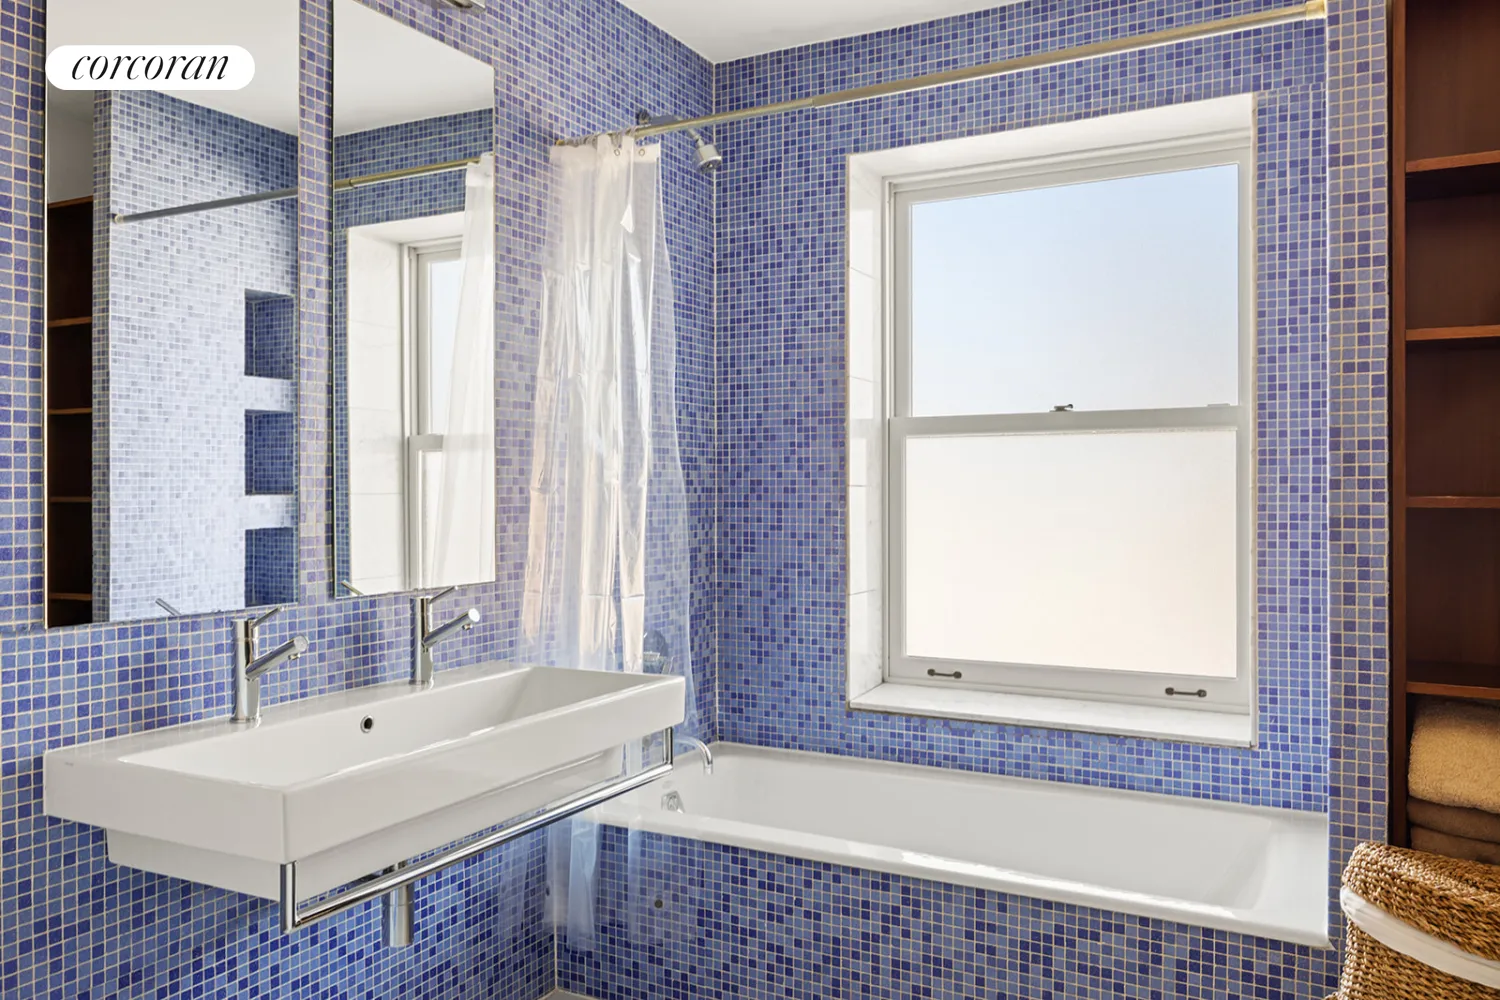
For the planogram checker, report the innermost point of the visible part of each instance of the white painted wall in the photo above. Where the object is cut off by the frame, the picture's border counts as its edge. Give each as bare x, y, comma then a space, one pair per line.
70, 146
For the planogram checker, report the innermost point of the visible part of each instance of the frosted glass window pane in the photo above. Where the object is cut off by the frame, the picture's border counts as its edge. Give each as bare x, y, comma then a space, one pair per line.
1104, 551
444, 283
431, 474
1111, 295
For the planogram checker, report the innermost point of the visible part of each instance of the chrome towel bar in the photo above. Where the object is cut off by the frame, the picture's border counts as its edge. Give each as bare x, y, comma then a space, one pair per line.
294, 917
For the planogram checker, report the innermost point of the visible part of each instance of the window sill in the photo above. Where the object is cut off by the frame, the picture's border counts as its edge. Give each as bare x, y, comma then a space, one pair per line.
1146, 721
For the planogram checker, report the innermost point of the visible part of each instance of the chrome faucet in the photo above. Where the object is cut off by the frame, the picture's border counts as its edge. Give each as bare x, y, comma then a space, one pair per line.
702, 748
424, 636
250, 665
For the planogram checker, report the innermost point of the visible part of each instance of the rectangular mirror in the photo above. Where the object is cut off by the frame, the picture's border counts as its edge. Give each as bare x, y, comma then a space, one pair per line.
414, 309
171, 330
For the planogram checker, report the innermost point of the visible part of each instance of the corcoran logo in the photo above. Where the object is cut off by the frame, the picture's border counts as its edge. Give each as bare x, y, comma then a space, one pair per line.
150, 67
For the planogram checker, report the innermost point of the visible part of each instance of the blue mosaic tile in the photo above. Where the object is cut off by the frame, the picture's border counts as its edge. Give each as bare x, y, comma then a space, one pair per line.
270, 462
270, 335
781, 289
746, 924
715, 921
71, 923
172, 396
270, 566
756, 254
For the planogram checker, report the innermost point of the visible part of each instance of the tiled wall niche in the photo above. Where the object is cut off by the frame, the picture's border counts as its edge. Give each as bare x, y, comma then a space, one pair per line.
71, 923
270, 334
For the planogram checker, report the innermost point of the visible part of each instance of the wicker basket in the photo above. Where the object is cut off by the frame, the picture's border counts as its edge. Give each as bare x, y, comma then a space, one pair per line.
1456, 901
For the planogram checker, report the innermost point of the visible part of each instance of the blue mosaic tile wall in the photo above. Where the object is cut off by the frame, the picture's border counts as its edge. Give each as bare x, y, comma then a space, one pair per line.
172, 458
270, 463
72, 924
781, 288
270, 566
767, 587
396, 147
743, 923
270, 335
739, 923
410, 144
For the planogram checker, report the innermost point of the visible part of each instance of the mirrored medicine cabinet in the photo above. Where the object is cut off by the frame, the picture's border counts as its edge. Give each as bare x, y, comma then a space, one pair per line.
172, 344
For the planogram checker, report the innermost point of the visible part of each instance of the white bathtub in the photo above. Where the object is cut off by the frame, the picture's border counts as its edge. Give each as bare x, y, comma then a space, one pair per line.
1237, 868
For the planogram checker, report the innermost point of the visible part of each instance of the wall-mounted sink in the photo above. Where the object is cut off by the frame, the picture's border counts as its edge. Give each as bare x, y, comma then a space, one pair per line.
350, 783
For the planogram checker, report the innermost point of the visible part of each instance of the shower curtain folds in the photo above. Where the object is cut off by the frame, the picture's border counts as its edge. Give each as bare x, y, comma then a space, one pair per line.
607, 558
463, 544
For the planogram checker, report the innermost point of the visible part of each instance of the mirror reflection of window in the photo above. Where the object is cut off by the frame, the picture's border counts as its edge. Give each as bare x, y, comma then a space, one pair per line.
435, 275
404, 288
438, 273
413, 311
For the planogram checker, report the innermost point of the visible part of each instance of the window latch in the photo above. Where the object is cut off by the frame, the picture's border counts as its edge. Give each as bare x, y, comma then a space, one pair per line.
957, 675
1065, 408
1175, 693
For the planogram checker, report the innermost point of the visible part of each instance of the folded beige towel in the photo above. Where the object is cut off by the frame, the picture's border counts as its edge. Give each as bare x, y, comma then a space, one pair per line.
1455, 754
1450, 846
1473, 824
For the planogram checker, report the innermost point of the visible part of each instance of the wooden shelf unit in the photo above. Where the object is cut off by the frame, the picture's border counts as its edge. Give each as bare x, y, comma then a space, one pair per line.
1453, 176
1453, 502
1454, 680
1445, 363
70, 400
1451, 334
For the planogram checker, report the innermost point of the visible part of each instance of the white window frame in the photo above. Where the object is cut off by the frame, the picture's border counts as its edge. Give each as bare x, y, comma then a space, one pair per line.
1220, 694
420, 439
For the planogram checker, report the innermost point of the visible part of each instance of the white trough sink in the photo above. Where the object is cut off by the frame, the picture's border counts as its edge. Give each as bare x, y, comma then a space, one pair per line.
350, 783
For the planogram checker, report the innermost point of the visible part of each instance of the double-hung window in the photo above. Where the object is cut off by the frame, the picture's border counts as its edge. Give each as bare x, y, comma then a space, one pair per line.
434, 272
1069, 390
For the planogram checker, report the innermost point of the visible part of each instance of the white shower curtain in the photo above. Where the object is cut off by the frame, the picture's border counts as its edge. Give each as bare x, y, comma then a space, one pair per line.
607, 557
463, 548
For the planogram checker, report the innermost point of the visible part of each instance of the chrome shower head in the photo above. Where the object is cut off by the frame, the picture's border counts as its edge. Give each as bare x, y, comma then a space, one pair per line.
706, 155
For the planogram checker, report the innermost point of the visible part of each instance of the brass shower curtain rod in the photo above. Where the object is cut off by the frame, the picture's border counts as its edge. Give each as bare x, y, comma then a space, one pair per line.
283, 193
1311, 10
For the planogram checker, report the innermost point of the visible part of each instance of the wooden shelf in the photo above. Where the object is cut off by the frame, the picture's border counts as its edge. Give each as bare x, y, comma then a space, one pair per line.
1451, 333
68, 552
1444, 257
1452, 425
1452, 257
1434, 164
1454, 503
87, 199
1453, 176
1454, 680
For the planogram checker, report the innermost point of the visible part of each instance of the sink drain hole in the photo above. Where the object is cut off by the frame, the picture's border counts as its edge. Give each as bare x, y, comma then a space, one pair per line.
366, 724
